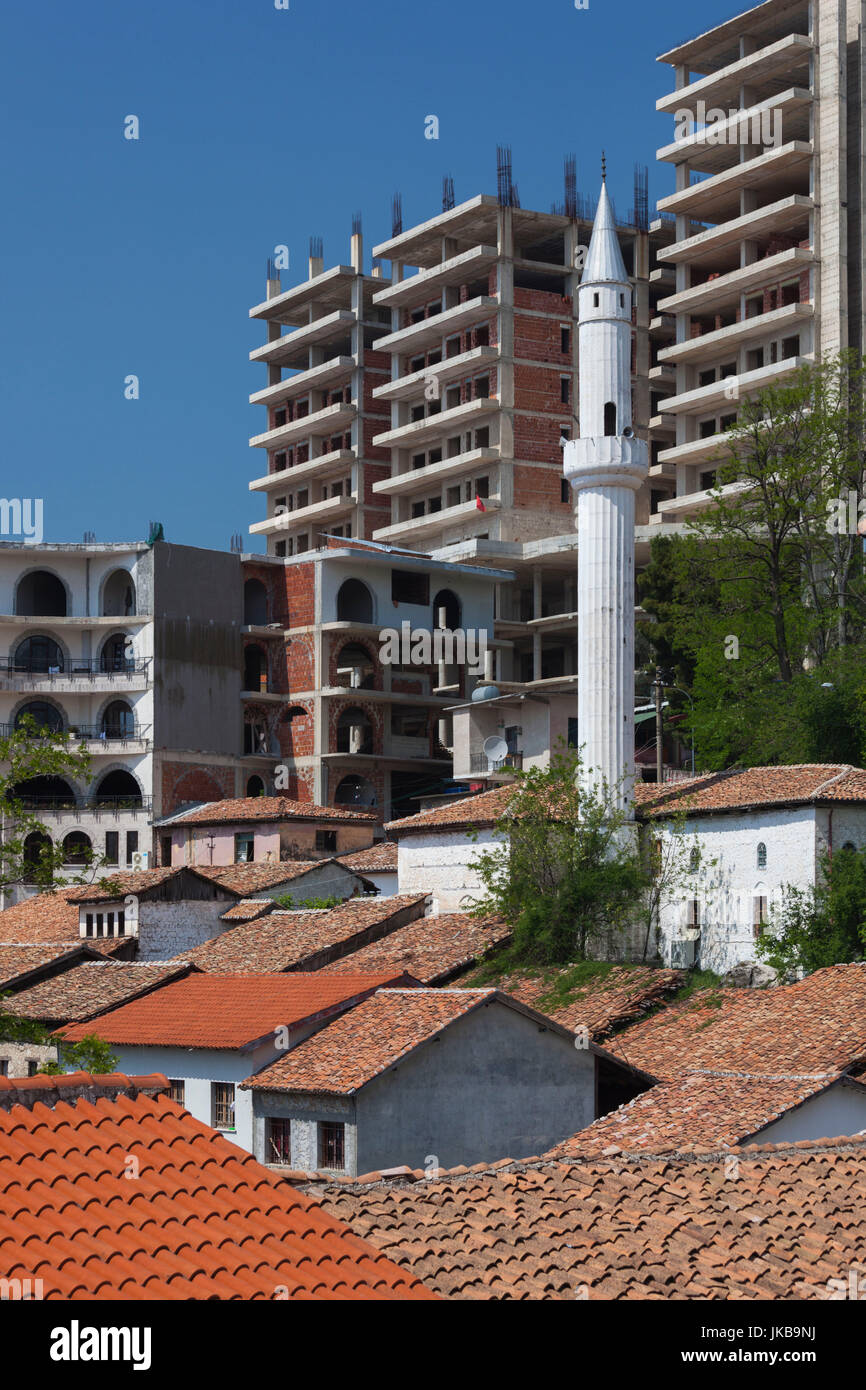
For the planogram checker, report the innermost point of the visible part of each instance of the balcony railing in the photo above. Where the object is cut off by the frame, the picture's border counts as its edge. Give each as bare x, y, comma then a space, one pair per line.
68, 803
95, 732
479, 762
77, 666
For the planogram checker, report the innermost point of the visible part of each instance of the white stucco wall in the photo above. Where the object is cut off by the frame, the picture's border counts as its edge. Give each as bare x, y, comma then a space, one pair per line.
840, 1110
440, 863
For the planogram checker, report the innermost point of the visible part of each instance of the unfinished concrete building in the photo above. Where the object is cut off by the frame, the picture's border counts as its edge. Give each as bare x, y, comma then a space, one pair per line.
766, 269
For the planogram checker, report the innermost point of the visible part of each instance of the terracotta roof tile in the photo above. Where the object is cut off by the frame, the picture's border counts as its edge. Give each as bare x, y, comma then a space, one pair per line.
817, 1024
432, 949
755, 786
353, 1049
245, 879
267, 808
483, 809
21, 961
201, 1220
92, 988
248, 910
227, 1011
639, 1227
709, 1109
381, 858
605, 1002
305, 940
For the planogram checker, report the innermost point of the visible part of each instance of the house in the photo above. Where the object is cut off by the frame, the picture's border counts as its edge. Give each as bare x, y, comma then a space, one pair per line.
774, 1222
378, 865
261, 829
528, 725
269, 941
53, 919
723, 1110
297, 879
208, 1033
243, 1234
817, 1024
430, 1076
759, 829
434, 950
434, 851
90, 989
23, 965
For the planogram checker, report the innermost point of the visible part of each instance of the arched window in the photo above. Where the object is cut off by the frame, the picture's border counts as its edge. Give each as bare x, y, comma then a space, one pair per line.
255, 669
354, 732
40, 595
354, 602
44, 716
36, 847
118, 720
610, 418
355, 791
355, 667
114, 655
118, 595
118, 788
762, 855
694, 859
45, 791
450, 602
255, 603
255, 786
38, 655
76, 847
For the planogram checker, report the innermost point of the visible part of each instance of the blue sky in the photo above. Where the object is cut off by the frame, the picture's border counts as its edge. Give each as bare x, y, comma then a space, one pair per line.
258, 127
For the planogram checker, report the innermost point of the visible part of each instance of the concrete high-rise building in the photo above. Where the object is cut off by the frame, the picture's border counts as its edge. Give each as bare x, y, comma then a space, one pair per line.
766, 269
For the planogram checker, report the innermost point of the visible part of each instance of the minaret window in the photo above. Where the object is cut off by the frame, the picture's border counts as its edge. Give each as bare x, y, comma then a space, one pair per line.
610, 418
595, 301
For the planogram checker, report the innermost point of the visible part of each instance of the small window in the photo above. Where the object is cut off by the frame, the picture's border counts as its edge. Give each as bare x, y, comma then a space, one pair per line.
332, 1145
693, 914
572, 731
694, 859
165, 851
762, 855
564, 490
177, 1092
565, 340
759, 916
32, 1067
326, 840
278, 1142
112, 846
564, 390
244, 847
622, 301
595, 300
222, 1105
131, 844
410, 586
4, 1066
610, 418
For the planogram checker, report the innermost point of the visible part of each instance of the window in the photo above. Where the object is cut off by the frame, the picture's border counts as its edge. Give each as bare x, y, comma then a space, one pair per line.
694, 859
595, 300
762, 855
222, 1105
332, 1145
610, 418
177, 1092
278, 1142
564, 490
326, 840
32, 1067
759, 916
244, 848
564, 390
112, 846
131, 844
410, 586
572, 731
693, 914
4, 1066
565, 340
165, 851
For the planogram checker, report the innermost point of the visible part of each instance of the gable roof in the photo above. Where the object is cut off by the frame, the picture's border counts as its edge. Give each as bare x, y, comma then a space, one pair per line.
817, 1024
227, 1012
93, 988
52, 918
623, 1227
604, 1002
431, 949
22, 963
202, 1220
707, 1109
380, 858
304, 940
264, 808
482, 809
246, 879
743, 788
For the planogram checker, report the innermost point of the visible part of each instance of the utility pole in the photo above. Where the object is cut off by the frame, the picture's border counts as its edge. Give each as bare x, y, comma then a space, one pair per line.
659, 690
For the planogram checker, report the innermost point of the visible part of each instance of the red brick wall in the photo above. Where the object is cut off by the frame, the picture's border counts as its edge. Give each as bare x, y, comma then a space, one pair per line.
300, 663
374, 713
344, 640
300, 595
541, 338
296, 735
181, 782
540, 488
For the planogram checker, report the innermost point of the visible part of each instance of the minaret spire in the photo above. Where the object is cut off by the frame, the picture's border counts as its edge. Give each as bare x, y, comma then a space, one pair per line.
606, 466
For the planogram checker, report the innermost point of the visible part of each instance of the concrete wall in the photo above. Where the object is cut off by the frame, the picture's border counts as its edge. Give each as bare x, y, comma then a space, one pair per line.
17, 1055
492, 1086
440, 862
306, 1114
841, 1110
166, 929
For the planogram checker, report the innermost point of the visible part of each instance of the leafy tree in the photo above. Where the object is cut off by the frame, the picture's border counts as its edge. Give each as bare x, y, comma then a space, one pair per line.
824, 925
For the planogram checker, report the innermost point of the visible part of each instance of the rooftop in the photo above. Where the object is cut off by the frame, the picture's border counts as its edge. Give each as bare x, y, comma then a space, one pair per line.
482, 809
228, 1012
431, 949
51, 918
21, 963
92, 988
263, 808
201, 1221
381, 858
744, 788
246, 879
606, 1001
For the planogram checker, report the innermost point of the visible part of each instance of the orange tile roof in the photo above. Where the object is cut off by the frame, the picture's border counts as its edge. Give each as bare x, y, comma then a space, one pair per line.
227, 1011
673, 1227
245, 879
53, 917
267, 808
710, 1109
248, 910
305, 940
202, 1220
483, 809
93, 988
432, 949
741, 788
20, 962
817, 1024
605, 1002
376, 1034
381, 858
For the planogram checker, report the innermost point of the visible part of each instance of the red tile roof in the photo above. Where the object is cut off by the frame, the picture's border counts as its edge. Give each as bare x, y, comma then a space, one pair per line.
202, 1220
381, 858
603, 1003
248, 910
245, 879
52, 917
354, 1049
710, 1109
267, 808
227, 1011
817, 1024
742, 788
432, 949
93, 988
306, 940
675, 1227
22, 963
483, 809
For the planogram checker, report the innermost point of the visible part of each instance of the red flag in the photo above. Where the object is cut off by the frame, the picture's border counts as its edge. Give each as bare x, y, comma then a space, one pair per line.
480, 505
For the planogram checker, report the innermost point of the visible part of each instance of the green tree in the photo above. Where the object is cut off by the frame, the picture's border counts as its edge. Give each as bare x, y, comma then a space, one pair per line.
824, 925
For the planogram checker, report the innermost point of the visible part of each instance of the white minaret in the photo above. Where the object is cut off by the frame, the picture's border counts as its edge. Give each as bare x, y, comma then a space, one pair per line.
606, 466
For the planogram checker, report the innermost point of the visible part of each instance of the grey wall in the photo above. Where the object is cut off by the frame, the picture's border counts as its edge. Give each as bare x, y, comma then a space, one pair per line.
198, 615
840, 1110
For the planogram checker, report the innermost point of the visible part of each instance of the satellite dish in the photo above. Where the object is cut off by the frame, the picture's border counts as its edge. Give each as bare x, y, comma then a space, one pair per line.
495, 749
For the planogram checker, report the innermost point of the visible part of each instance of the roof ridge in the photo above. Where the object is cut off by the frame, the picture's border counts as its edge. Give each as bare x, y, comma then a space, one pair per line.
50, 1090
